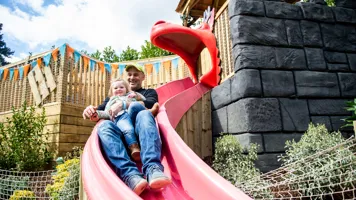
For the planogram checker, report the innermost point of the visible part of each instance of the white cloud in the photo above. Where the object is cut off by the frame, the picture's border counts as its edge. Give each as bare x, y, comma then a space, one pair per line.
13, 59
97, 23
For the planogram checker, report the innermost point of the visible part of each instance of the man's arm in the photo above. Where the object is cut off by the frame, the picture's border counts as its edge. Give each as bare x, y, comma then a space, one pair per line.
102, 106
151, 98
89, 111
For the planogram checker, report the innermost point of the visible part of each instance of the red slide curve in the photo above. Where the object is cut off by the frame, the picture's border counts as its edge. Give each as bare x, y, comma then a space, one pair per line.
191, 177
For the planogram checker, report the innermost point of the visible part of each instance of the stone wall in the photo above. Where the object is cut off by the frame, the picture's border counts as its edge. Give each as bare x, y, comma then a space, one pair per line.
294, 64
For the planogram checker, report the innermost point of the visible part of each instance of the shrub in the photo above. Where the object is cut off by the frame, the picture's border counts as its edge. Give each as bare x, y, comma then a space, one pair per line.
23, 142
65, 181
22, 195
234, 165
9, 184
351, 106
75, 153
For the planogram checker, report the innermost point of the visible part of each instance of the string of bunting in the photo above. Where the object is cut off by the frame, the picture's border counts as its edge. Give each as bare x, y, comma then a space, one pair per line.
22, 71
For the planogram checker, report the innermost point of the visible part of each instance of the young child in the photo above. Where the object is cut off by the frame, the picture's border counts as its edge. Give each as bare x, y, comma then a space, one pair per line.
115, 110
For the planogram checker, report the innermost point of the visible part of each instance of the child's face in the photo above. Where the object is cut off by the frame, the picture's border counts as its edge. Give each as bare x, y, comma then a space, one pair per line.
118, 88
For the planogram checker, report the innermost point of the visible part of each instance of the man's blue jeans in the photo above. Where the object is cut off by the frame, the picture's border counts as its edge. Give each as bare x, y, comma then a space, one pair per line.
145, 127
126, 127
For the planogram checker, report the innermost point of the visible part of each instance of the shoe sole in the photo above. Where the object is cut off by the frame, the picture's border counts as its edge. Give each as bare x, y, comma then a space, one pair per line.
140, 187
159, 183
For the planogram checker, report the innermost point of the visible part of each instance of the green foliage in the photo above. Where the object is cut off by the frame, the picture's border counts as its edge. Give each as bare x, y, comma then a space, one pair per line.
109, 55
97, 55
4, 50
231, 162
9, 184
129, 54
65, 181
330, 2
148, 50
22, 141
22, 195
325, 173
351, 106
75, 153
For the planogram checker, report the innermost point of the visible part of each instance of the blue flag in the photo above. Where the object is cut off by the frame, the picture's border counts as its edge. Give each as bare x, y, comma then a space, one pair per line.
107, 67
175, 63
11, 73
34, 64
20, 72
47, 59
77, 55
1, 72
92, 65
121, 68
157, 66
62, 49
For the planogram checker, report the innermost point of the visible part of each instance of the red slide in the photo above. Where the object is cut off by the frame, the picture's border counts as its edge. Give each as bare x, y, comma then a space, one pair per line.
191, 177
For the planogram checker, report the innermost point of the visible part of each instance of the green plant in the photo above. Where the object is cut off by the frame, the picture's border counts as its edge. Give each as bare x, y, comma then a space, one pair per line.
231, 162
8, 184
22, 195
65, 181
320, 172
23, 141
75, 153
351, 106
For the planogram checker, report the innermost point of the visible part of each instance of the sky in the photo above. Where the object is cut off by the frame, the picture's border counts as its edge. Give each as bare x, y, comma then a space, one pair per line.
36, 25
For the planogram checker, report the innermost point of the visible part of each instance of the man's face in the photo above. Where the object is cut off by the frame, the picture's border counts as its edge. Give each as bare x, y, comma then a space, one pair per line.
135, 78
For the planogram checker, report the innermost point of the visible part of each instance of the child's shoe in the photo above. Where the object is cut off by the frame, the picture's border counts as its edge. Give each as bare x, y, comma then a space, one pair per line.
154, 110
136, 183
157, 179
135, 152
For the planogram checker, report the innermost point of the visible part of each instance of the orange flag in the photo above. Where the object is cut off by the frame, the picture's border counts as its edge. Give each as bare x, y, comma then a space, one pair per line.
16, 74
39, 62
26, 69
85, 62
101, 66
114, 68
55, 54
149, 68
167, 65
70, 51
6, 72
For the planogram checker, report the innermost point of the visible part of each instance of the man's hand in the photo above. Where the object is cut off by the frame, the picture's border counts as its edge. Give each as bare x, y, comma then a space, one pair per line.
116, 108
132, 95
89, 112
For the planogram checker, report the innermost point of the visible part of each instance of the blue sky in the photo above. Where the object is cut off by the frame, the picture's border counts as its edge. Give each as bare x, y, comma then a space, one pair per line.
36, 25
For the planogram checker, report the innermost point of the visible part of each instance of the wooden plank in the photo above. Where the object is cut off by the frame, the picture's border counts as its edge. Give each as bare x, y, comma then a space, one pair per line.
207, 136
70, 138
51, 83
76, 120
221, 10
34, 88
190, 126
43, 89
197, 115
74, 129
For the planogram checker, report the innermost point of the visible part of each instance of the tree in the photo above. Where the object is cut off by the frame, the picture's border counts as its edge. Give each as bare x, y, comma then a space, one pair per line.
109, 55
129, 54
148, 50
4, 50
96, 55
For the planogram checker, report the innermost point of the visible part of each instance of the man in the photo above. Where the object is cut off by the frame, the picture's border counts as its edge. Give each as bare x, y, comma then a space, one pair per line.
146, 131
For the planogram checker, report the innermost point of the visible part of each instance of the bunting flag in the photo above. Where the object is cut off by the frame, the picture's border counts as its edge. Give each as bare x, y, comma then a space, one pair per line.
11, 73
101, 66
6, 73
121, 68
175, 63
92, 65
70, 51
157, 66
21, 72
62, 49
39, 62
1, 72
47, 59
33, 64
55, 54
114, 68
77, 55
26, 68
16, 74
85, 62
149, 68
107, 67
167, 64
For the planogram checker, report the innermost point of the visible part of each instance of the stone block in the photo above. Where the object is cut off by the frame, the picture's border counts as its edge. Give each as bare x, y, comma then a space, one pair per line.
246, 139
352, 61
346, 3
268, 162
315, 58
339, 37
277, 83
337, 123
254, 115
294, 34
316, 84
335, 57
322, 120
338, 67
246, 7
275, 142
321, 2
317, 12
328, 107
219, 121
344, 15
288, 58
245, 83
257, 30
311, 34
256, 57
347, 84
295, 114
283, 10
220, 95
